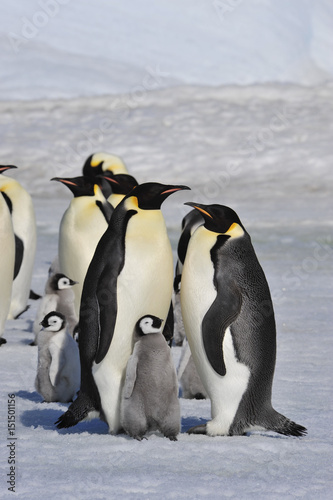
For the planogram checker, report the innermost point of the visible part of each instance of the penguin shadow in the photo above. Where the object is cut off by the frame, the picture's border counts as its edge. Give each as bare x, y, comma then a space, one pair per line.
188, 422
31, 396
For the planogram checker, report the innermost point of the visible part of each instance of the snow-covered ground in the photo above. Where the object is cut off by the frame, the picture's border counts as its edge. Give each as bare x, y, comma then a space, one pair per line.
281, 186
217, 108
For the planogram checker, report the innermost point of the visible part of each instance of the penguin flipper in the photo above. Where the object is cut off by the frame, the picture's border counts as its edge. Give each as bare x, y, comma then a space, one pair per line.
19, 249
106, 208
130, 376
107, 304
169, 326
57, 362
219, 316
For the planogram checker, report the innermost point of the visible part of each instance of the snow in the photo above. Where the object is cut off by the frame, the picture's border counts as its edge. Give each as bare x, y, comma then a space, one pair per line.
245, 121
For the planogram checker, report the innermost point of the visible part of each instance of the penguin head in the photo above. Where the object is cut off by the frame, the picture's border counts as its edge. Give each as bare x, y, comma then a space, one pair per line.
3, 168
79, 186
150, 195
120, 183
220, 219
148, 324
53, 322
99, 163
61, 281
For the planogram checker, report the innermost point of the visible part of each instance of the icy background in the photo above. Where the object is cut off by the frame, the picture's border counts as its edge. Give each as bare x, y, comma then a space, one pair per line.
235, 99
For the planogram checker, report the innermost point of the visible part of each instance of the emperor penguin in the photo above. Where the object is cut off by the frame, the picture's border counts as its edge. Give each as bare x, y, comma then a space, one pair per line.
229, 322
59, 297
81, 227
190, 222
7, 262
58, 370
101, 163
150, 393
24, 224
130, 276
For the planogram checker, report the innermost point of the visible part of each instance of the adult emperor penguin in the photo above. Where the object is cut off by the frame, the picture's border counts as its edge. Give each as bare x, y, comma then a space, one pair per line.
150, 393
81, 227
190, 222
24, 224
59, 297
129, 276
100, 163
58, 370
7, 261
229, 322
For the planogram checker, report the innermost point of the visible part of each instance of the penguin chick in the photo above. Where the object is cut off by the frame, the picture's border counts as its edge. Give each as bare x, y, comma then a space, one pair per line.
188, 377
58, 370
59, 297
150, 393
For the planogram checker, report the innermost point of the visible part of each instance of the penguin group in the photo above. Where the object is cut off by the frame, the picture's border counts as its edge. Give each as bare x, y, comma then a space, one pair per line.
114, 284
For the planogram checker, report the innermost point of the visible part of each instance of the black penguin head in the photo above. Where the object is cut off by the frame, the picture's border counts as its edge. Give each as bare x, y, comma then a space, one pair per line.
99, 163
148, 324
80, 186
151, 195
120, 183
3, 168
53, 322
219, 218
61, 281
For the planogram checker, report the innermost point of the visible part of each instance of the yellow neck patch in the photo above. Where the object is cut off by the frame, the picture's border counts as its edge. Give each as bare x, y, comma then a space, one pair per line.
132, 203
235, 231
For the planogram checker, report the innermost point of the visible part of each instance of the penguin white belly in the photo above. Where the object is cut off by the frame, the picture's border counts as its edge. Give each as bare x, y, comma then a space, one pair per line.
81, 228
144, 287
7, 260
197, 295
24, 223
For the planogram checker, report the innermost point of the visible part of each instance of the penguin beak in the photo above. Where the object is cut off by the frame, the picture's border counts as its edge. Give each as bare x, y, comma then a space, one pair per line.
109, 178
174, 189
64, 181
72, 282
199, 207
3, 168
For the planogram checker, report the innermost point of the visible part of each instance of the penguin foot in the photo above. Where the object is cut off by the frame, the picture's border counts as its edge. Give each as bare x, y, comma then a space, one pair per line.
34, 296
3, 341
19, 314
172, 438
199, 395
139, 438
198, 429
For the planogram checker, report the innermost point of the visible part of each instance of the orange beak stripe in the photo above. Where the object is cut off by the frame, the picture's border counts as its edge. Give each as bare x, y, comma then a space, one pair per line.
68, 182
203, 211
171, 190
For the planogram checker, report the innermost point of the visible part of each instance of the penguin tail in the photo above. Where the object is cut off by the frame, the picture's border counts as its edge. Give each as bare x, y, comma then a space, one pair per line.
77, 411
283, 425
